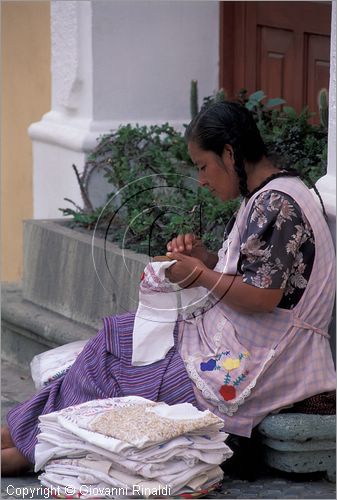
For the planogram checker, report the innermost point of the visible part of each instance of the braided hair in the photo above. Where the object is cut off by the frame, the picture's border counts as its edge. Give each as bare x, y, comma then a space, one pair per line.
226, 122
230, 123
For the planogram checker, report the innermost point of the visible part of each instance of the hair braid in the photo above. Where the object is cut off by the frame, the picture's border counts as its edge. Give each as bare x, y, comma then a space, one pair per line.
240, 171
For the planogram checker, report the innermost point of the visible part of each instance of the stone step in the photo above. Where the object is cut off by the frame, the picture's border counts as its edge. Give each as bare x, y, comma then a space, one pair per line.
28, 329
16, 386
297, 442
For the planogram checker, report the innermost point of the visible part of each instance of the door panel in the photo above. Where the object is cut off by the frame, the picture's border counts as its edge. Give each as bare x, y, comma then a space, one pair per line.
317, 63
279, 47
276, 50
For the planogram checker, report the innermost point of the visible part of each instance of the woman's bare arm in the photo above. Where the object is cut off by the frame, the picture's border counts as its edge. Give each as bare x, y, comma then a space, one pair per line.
239, 295
230, 289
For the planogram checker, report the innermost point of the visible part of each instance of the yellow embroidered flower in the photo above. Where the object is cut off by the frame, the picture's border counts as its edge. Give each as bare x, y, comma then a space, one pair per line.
231, 363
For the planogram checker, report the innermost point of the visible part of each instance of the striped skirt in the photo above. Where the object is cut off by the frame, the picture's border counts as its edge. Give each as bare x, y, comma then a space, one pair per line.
103, 370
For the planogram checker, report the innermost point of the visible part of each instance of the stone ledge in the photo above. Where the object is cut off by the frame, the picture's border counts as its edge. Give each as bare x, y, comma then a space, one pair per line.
298, 426
309, 445
303, 462
297, 442
28, 329
82, 279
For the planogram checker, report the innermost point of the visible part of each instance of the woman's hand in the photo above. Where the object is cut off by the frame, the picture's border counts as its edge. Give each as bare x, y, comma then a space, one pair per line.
189, 244
187, 271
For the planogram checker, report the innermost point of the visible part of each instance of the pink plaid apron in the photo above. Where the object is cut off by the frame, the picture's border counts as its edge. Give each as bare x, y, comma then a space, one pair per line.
244, 366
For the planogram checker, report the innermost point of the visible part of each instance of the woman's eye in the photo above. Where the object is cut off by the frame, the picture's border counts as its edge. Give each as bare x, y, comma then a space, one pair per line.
202, 168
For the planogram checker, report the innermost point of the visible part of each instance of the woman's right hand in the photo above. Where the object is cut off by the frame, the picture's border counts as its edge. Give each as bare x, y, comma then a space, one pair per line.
189, 244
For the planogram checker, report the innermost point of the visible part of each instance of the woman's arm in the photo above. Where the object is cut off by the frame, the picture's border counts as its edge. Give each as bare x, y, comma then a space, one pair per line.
240, 296
271, 263
231, 290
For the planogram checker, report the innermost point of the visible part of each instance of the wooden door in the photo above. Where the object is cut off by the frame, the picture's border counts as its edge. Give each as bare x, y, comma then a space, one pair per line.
282, 48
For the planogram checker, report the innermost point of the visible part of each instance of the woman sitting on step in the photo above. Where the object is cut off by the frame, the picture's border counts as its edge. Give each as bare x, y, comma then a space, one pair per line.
260, 342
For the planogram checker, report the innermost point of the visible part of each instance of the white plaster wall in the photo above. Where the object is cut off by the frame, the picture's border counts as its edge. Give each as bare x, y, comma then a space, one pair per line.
116, 62
55, 180
153, 49
332, 150
327, 184
71, 58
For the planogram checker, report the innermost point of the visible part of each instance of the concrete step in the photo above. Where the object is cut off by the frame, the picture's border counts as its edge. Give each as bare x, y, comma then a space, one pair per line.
16, 386
28, 329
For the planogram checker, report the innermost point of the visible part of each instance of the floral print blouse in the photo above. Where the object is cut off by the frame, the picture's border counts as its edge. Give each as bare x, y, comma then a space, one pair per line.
278, 247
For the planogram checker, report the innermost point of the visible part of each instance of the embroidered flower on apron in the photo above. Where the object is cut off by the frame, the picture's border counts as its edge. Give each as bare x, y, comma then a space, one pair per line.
227, 390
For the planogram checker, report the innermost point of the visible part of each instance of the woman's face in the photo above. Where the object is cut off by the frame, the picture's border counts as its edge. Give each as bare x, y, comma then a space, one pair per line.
215, 173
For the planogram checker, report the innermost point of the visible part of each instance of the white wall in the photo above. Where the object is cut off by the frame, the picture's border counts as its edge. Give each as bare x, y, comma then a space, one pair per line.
327, 184
154, 49
117, 62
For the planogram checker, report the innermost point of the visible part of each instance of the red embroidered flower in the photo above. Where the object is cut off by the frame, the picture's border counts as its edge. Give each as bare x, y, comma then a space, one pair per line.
228, 392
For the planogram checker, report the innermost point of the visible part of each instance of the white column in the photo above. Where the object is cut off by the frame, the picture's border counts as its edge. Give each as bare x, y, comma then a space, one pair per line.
327, 184
117, 62
65, 133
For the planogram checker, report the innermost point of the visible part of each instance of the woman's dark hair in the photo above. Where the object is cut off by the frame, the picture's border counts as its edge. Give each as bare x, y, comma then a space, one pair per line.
230, 123
226, 122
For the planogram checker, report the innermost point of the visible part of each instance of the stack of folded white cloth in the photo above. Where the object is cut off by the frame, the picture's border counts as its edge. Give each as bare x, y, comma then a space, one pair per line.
130, 447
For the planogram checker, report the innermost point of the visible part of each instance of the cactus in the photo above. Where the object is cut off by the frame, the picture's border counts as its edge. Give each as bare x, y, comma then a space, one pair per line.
323, 107
194, 98
220, 95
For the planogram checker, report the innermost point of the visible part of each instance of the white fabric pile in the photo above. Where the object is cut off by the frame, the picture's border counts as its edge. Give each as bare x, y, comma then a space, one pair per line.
130, 447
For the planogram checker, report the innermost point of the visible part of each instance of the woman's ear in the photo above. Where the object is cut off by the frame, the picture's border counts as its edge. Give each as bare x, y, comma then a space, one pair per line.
228, 153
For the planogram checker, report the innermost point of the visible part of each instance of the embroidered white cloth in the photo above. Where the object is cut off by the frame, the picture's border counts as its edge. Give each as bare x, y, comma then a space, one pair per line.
51, 364
155, 317
159, 304
130, 442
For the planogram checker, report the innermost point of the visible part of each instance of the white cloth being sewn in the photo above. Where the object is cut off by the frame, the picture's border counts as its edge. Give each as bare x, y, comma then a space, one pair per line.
159, 304
155, 317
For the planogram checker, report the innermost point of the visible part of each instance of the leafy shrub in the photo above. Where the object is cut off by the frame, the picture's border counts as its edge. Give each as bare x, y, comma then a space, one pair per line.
291, 139
154, 195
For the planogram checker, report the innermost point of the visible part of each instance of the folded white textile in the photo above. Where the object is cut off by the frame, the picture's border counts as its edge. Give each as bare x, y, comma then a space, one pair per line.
118, 423
182, 449
112, 477
65, 433
131, 441
50, 365
70, 487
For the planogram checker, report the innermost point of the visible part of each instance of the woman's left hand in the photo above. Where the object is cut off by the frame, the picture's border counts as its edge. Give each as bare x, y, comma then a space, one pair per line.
186, 271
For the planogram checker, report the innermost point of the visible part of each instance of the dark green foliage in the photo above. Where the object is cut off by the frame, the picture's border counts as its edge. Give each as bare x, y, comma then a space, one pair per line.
323, 107
194, 98
291, 139
154, 194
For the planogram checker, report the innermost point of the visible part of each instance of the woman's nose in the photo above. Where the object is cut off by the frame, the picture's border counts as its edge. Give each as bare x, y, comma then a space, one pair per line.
202, 181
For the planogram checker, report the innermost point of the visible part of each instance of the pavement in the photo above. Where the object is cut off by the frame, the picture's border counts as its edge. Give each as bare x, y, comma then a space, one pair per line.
17, 386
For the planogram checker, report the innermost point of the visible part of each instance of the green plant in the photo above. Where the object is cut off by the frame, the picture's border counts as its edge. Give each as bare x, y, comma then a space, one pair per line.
323, 107
291, 140
194, 98
153, 191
